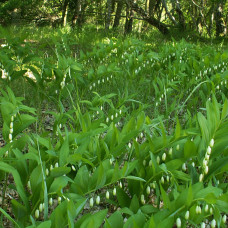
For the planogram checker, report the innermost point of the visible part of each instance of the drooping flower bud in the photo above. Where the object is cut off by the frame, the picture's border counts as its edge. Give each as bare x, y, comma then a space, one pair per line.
206, 170
56, 165
201, 177
120, 184
91, 202
207, 157
59, 199
47, 172
178, 222
184, 168
186, 215
212, 142
29, 185
163, 156
211, 210
98, 199
224, 219
203, 225
107, 195
114, 191
171, 151
11, 125
37, 214
142, 199
150, 163
199, 210
213, 223
148, 190
206, 208
205, 162
129, 145
41, 207
50, 201
177, 147
158, 159
73, 168
162, 180
209, 150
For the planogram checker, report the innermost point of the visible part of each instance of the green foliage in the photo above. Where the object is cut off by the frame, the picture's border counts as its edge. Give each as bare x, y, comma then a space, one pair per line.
138, 137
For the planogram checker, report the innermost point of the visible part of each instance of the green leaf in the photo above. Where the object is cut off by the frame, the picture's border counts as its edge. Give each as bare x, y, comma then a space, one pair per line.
60, 171
9, 217
210, 189
165, 198
59, 216
178, 129
181, 176
7, 168
95, 220
123, 198
25, 121
222, 203
80, 205
189, 149
46, 224
224, 110
64, 152
135, 178
134, 206
115, 220
137, 220
19, 210
203, 127
149, 209
58, 184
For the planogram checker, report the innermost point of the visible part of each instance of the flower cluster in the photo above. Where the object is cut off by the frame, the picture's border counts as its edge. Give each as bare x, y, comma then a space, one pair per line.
206, 160
11, 128
62, 84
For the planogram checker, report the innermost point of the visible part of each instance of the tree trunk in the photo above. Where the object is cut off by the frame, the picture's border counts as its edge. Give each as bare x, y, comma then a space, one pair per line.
180, 15
82, 7
171, 17
76, 13
118, 13
152, 4
64, 12
150, 19
108, 18
220, 23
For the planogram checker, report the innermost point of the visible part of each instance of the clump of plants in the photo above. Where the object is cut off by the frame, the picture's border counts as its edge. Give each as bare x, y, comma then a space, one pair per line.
135, 137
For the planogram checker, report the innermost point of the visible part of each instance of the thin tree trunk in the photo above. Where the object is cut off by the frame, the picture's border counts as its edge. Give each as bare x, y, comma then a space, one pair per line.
151, 20
118, 13
76, 13
152, 4
64, 12
181, 15
168, 13
220, 24
108, 18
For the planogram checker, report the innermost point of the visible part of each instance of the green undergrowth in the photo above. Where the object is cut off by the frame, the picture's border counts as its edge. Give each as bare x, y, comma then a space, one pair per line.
137, 138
